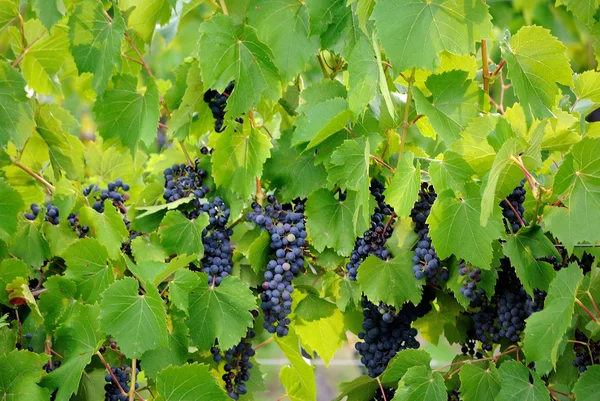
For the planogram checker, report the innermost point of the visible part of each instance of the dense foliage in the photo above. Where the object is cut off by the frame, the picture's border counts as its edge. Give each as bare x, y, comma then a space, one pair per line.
183, 182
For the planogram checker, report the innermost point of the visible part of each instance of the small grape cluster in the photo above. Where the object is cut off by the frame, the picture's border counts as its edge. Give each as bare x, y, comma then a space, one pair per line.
115, 191
49, 367
237, 365
217, 102
556, 264
373, 240
426, 261
514, 203
216, 238
286, 225
469, 288
587, 352
454, 394
52, 213
182, 180
81, 231
385, 334
468, 348
387, 394
111, 388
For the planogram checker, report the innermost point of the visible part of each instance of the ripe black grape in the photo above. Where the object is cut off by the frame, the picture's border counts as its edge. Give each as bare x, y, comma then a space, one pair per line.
50, 366
514, 203
112, 391
237, 365
182, 180
426, 261
52, 213
373, 240
217, 103
286, 225
469, 288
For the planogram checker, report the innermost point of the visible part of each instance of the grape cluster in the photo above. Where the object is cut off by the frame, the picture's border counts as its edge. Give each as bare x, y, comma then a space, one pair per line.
387, 394
115, 191
426, 261
469, 288
385, 334
587, 352
454, 395
514, 203
373, 240
468, 348
49, 367
216, 238
182, 180
286, 225
52, 213
556, 264
81, 231
217, 102
237, 365
111, 388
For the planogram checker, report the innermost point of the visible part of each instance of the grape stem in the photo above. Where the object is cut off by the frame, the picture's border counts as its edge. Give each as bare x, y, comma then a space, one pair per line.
530, 179
133, 371
267, 341
381, 388
485, 67
20, 327
508, 350
107, 366
223, 7
35, 175
593, 302
187, 155
282, 397
587, 311
384, 164
515, 212
586, 345
26, 48
571, 397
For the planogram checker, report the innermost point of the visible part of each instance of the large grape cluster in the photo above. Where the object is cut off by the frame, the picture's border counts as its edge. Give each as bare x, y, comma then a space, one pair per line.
426, 261
385, 334
587, 352
286, 225
514, 203
373, 240
112, 391
182, 180
217, 102
237, 365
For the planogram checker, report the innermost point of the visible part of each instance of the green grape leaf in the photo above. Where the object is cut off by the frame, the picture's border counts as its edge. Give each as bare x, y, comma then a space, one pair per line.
175, 354
283, 26
454, 228
474, 147
44, 58
421, 384
451, 172
57, 301
258, 252
294, 175
582, 9
544, 330
220, 312
19, 373
325, 336
237, 54
123, 112
298, 378
330, 223
587, 387
363, 76
586, 86
536, 61
16, 116
349, 166
108, 227
188, 382
319, 121
403, 361
321, 91
478, 383
183, 282
520, 384
148, 248
192, 100
49, 11
313, 307
10, 203
455, 101
523, 249
403, 191
431, 326
146, 15
9, 12
578, 184
239, 157
79, 339
413, 33
30, 245
10, 269
359, 389
137, 322
91, 384
19, 293
179, 235
391, 281
87, 266
96, 41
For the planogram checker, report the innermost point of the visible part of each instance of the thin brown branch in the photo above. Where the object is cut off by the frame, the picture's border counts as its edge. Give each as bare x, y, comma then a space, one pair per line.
411, 80
384, 164
223, 7
516, 212
32, 173
593, 303
499, 68
282, 397
587, 311
507, 351
115, 380
485, 67
187, 155
131, 59
20, 327
37, 293
382, 390
22, 25
163, 126
26, 48
267, 341
133, 375
413, 122
322, 65
259, 193
569, 396
350, 132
